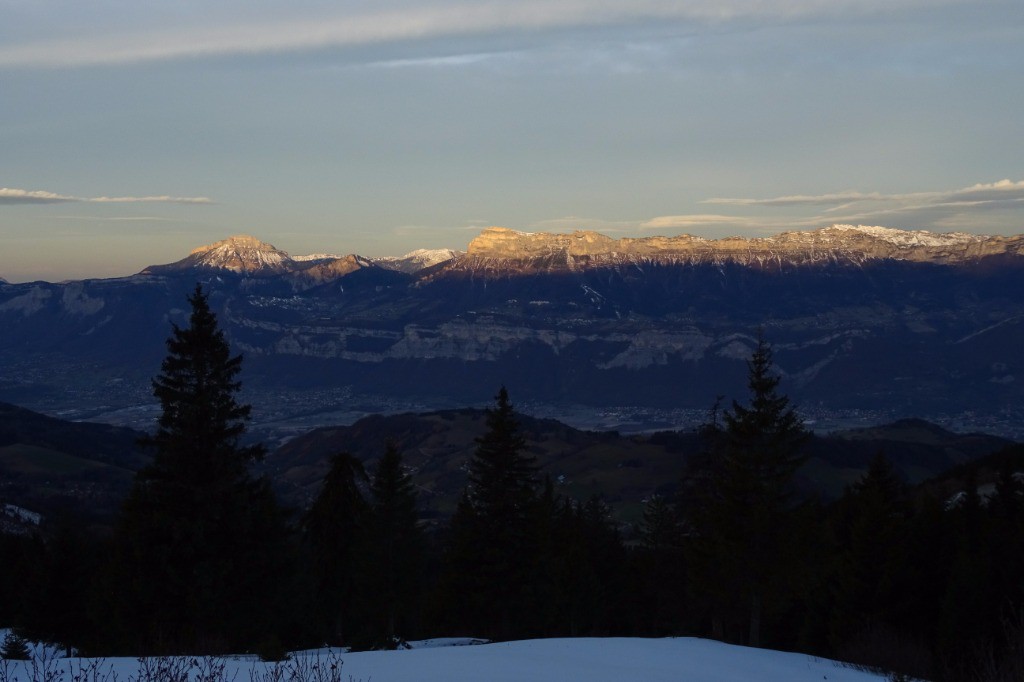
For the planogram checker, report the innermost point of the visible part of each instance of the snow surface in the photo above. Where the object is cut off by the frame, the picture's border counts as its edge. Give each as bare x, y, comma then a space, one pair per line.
316, 256
563, 660
909, 237
425, 257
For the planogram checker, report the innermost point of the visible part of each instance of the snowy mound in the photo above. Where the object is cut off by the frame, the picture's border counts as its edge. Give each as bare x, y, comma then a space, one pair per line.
558, 660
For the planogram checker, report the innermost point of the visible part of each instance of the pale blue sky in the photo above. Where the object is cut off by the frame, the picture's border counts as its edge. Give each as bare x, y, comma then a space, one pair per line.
384, 126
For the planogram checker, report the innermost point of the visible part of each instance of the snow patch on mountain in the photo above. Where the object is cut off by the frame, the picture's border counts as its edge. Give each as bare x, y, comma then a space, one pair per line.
315, 257
241, 253
417, 260
908, 237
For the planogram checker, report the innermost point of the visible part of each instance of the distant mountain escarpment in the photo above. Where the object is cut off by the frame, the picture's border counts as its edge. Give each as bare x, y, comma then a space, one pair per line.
501, 248
861, 318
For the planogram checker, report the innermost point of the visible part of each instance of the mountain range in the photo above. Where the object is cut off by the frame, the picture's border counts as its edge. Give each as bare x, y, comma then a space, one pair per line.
865, 323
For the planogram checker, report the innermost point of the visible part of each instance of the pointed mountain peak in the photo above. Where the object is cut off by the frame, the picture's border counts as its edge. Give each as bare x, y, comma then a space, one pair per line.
241, 253
238, 242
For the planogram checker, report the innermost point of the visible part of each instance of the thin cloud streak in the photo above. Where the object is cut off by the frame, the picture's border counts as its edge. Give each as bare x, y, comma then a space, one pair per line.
119, 219
979, 193
937, 210
675, 222
21, 196
799, 199
445, 21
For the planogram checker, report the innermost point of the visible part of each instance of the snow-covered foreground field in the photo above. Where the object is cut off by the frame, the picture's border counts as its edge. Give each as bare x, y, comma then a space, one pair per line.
564, 660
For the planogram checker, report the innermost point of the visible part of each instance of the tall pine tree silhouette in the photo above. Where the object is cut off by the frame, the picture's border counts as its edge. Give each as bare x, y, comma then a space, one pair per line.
200, 541
395, 549
492, 530
742, 518
336, 528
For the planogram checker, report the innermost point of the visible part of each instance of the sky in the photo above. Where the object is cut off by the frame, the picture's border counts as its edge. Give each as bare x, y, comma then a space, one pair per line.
132, 132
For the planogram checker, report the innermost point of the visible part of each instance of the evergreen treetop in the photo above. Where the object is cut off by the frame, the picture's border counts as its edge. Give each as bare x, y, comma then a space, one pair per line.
200, 542
201, 422
764, 436
15, 648
502, 479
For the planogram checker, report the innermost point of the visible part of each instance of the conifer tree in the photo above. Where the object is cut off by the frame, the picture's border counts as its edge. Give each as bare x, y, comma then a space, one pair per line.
660, 531
741, 515
502, 479
395, 547
871, 582
14, 647
336, 528
200, 542
495, 519
661, 564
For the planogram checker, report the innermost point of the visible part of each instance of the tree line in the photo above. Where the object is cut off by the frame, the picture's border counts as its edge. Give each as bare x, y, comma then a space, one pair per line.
204, 560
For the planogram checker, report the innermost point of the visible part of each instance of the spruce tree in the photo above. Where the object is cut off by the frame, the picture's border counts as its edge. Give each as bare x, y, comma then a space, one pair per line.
659, 530
495, 520
395, 547
200, 542
15, 648
661, 565
336, 527
502, 479
871, 582
741, 516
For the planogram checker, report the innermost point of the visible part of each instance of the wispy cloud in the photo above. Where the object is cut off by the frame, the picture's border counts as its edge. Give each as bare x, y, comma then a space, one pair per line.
118, 219
22, 196
799, 199
440, 62
945, 209
404, 24
678, 222
977, 194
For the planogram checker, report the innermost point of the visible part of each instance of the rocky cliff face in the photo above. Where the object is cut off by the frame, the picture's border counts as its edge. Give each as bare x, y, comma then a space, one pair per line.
499, 248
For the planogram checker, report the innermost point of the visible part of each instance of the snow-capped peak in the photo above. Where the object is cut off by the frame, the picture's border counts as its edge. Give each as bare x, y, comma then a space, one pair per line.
417, 260
240, 253
907, 237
